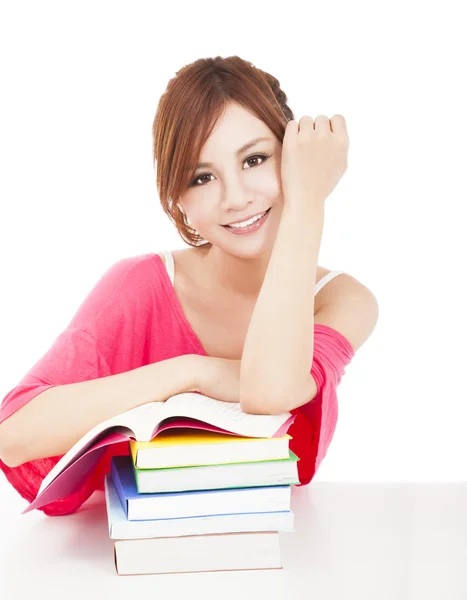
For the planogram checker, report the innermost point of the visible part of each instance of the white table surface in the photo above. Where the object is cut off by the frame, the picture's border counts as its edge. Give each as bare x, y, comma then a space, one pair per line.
362, 541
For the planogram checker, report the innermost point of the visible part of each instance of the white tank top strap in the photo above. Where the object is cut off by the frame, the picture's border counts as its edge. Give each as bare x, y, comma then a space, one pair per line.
324, 280
169, 264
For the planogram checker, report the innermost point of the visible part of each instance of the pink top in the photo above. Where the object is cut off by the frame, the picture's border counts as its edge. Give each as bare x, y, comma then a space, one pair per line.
132, 317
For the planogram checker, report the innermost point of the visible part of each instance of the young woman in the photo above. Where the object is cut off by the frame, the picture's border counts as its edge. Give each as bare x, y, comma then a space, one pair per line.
244, 314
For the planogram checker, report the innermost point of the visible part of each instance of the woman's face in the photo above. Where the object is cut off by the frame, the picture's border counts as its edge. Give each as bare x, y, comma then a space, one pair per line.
236, 184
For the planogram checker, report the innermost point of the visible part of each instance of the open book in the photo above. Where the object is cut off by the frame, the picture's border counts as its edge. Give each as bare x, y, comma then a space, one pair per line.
143, 423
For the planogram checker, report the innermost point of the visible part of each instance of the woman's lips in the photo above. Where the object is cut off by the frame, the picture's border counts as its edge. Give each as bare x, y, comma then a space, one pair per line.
251, 228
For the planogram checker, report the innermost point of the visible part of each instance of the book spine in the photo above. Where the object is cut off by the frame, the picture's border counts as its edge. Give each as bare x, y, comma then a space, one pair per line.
119, 488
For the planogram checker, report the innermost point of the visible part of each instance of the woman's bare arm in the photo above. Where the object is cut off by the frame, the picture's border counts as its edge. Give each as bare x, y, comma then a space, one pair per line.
52, 422
278, 350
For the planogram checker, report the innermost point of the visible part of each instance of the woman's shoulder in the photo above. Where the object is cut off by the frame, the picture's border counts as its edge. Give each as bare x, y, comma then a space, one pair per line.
129, 269
161, 256
177, 254
126, 279
185, 259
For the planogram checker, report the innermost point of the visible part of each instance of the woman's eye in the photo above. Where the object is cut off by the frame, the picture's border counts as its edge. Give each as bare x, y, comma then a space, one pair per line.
200, 177
252, 158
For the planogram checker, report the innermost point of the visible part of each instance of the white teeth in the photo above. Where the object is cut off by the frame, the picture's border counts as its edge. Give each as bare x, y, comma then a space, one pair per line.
247, 223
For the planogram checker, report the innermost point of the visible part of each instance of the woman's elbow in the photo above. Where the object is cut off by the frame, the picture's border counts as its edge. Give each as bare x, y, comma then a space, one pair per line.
265, 399
266, 406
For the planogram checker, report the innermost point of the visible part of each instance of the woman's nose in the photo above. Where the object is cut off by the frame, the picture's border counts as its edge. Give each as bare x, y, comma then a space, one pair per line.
234, 194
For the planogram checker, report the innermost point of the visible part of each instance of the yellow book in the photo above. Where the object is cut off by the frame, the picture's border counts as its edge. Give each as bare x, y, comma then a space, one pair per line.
183, 447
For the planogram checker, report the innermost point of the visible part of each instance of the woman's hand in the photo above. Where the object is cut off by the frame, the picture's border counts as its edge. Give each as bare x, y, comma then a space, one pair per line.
314, 158
218, 378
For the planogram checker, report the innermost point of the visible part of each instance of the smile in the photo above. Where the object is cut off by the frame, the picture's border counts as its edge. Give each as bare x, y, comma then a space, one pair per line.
251, 226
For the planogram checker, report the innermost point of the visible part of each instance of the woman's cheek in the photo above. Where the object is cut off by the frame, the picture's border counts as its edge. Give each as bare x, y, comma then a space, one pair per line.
268, 184
201, 213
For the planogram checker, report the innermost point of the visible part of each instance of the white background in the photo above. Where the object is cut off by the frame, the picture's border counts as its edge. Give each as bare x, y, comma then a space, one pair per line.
80, 86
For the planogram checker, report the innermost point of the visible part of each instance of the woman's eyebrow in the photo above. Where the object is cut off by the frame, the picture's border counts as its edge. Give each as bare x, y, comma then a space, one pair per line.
202, 165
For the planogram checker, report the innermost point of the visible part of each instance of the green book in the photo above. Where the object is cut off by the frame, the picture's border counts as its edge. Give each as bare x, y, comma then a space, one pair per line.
218, 476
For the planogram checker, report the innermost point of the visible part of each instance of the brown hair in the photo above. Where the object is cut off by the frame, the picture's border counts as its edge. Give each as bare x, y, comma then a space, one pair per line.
187, 113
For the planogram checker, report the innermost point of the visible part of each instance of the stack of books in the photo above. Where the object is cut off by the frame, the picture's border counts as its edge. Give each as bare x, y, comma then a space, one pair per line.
205, 486
200, 500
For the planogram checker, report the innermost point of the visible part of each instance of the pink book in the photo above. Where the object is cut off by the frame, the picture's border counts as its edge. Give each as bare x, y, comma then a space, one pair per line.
144, 423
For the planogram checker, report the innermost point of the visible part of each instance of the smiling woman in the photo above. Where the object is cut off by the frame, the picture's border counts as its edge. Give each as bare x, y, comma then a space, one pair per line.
233, 315
251, 101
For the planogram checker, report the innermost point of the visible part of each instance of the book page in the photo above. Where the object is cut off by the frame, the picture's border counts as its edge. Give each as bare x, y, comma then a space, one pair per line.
226, 415
142, 419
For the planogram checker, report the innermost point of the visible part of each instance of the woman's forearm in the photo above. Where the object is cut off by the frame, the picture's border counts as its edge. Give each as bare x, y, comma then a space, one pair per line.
278, 350
52, 422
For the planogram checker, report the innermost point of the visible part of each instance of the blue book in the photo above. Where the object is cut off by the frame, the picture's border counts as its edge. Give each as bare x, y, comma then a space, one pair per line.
175, 505
122, 529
